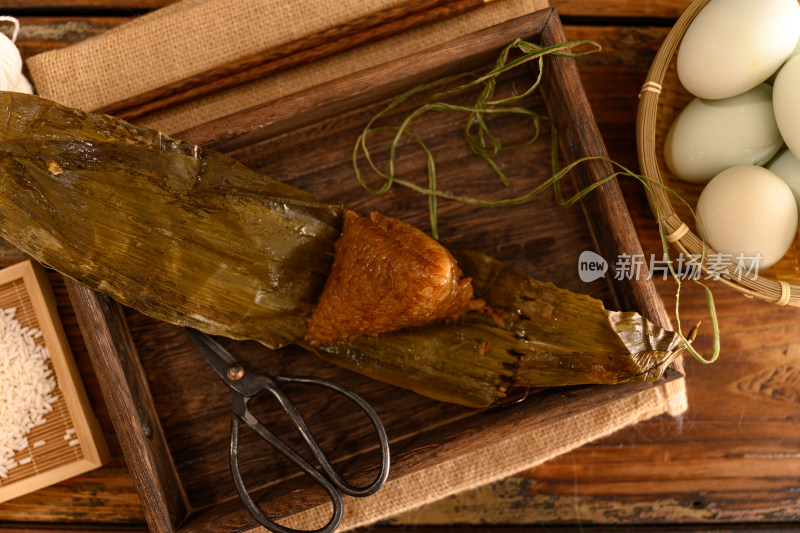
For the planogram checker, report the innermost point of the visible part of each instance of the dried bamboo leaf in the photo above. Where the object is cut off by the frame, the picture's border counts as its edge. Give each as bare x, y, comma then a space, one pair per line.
568, 338
538, 336
184, 235
193, 238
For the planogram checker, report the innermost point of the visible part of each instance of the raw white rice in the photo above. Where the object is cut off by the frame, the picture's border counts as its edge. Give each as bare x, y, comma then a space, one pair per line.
27, 387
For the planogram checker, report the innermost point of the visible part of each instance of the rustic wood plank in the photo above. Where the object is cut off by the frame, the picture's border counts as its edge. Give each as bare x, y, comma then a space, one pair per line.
78, 6
568, 8
614, 226
754, 430
363, 88
41, 33
666, 9
125, 389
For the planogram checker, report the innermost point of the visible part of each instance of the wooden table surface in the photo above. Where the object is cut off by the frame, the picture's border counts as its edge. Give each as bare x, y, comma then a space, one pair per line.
731, 462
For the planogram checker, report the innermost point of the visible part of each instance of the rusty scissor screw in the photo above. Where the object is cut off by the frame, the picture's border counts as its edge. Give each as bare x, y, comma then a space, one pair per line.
235, 372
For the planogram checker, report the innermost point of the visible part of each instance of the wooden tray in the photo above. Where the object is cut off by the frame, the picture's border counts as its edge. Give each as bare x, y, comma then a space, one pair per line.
73, 441
172, 414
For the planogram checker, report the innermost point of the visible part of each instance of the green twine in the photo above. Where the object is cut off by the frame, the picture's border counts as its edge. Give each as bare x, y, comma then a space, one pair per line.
486, 145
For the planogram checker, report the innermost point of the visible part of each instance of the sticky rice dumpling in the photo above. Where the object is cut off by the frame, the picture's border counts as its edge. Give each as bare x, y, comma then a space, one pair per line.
191, 237
387, 275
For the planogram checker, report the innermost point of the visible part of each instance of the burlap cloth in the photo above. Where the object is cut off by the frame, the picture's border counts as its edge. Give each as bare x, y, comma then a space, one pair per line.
498, 460
195, 35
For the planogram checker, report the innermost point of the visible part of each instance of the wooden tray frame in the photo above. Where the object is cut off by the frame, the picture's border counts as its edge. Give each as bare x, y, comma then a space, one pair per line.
94, 451
112, 348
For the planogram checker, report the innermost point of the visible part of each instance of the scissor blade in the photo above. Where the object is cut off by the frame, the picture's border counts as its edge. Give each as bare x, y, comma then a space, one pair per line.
218, 357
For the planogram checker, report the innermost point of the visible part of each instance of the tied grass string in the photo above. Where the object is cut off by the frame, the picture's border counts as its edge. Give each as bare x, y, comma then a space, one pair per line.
486, 145
649, 185
483, 143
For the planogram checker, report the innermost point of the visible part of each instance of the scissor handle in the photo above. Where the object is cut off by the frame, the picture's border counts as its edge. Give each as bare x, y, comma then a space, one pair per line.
264, 520
324, 462
332, 480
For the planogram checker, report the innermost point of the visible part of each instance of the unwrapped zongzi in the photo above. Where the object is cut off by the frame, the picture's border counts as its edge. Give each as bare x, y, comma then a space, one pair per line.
387, 276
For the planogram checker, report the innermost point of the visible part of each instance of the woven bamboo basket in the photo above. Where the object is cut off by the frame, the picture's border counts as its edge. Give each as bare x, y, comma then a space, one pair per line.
662, 98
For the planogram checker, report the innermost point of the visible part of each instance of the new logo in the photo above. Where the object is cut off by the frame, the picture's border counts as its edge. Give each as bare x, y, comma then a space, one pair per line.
591, 266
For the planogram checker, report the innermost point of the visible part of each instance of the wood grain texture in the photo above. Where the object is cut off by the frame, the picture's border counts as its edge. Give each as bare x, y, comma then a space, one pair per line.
41, 33
733, 457
125, 389
578, 8
608, 212
319, 103
59, 6
659, 9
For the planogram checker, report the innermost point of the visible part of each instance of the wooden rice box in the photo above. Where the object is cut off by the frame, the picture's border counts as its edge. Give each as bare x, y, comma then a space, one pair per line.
70, 441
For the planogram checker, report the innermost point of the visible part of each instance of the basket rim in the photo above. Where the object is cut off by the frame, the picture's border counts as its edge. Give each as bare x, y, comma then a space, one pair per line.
678, 233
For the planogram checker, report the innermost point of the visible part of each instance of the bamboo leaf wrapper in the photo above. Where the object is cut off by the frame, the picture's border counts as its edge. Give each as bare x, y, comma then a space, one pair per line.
538, 335
184, 235
191, 237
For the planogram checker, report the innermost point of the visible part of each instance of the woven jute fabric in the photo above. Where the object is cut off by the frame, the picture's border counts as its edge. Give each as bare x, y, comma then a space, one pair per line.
192, 36
498, 460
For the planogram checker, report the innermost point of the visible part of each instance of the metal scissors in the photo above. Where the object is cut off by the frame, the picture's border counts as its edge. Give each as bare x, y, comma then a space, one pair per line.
245, 385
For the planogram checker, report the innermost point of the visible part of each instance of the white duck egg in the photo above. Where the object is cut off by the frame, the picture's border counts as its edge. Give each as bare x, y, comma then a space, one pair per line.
733, 45
747, 211
709, 136
787, 167
796, 52
786, 101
